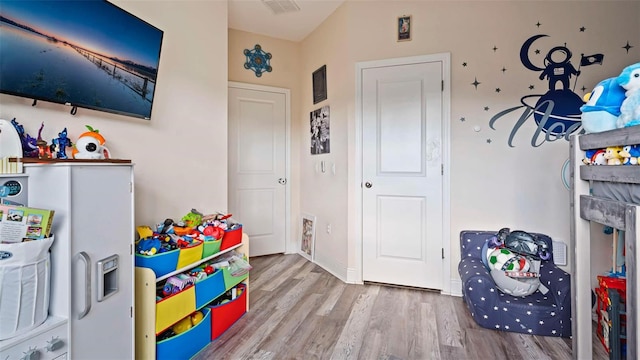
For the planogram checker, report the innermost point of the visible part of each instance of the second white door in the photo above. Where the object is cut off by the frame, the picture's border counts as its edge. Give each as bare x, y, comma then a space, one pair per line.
402, 174
257, 166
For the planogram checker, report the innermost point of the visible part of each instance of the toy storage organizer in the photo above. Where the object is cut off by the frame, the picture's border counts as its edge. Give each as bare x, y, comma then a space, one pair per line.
589, 202
611, 297
153, 317
25, 272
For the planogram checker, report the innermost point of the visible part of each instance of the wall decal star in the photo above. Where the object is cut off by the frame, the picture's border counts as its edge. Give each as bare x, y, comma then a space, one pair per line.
627, 47
582, 29
486, 108
498, 90
583, 88
495, 48
531, 87
503, 69
537, 51
476, 83
538, 24
464, 64
488, 141
463, 119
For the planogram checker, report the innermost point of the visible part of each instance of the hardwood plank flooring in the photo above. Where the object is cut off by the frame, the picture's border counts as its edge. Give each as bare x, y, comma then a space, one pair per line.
300, 311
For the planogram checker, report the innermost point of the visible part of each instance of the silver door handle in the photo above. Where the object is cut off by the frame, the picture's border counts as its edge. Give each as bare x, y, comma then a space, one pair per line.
368, 185
87, 283
282, 181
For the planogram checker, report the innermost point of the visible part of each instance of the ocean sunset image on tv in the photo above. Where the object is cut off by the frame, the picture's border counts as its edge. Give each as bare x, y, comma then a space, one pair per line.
87, 54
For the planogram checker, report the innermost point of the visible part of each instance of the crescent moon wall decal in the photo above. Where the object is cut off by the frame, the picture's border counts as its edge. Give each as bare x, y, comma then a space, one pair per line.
524, 53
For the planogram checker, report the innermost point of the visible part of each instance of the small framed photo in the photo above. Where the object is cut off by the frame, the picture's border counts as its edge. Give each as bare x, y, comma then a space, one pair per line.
307, 236
320, 84
404, 28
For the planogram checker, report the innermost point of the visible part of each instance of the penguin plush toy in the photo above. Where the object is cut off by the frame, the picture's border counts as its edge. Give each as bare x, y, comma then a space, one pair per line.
602, 109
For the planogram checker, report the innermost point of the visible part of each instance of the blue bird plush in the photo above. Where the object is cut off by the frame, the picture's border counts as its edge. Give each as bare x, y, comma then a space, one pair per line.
602, 109
629, 79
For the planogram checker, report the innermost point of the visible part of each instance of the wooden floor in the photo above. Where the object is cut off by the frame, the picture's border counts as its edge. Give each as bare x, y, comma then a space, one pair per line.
300, 311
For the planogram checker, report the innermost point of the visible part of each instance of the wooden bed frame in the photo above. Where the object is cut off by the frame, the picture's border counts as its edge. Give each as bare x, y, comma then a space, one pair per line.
619, 215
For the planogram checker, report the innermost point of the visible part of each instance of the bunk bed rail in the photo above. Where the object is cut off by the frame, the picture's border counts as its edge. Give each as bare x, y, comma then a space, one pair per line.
617, 213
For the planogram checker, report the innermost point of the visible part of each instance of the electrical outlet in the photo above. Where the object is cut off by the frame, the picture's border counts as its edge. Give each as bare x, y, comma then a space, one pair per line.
328, 228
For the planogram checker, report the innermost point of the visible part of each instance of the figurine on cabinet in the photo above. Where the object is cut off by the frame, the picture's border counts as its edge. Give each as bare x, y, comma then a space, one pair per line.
90, 145
59, 145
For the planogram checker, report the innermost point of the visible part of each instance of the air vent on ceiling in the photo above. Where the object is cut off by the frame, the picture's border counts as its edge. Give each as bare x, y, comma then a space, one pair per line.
281, 6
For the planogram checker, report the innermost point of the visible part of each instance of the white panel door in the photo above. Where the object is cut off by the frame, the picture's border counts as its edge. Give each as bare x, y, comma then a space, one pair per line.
257, 167
402, 177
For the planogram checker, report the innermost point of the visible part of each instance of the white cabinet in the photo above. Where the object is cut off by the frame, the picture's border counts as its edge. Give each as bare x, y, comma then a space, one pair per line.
92, 255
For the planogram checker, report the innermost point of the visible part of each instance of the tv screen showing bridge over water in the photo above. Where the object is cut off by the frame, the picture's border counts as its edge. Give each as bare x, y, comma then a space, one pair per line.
88, 54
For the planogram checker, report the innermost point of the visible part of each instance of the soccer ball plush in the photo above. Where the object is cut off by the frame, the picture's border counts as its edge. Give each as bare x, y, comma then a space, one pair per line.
506, 260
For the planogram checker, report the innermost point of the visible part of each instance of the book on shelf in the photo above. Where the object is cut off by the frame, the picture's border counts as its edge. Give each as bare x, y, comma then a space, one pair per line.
21, 223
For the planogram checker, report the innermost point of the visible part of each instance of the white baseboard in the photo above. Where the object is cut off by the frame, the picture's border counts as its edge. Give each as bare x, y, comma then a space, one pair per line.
331, 268
456, 287
352, 277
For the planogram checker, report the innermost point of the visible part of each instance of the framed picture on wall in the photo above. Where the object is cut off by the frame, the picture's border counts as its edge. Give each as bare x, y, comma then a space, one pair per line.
307, 236
404, 28
320, 84
320, 136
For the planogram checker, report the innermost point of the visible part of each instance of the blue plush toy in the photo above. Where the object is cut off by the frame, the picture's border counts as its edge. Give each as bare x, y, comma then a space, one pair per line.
149, 246
629, 79
630, 154
602, 109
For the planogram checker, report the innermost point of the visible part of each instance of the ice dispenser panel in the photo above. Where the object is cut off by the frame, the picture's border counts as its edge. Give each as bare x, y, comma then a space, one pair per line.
13, 189
107, 277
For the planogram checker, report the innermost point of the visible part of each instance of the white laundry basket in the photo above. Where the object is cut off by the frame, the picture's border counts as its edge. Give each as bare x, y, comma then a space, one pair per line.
25, 271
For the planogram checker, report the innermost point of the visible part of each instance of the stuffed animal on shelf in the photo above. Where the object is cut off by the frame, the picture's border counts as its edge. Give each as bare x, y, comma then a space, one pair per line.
612, 154
90, 145
602, 108
630, 154
629, 79
595, 157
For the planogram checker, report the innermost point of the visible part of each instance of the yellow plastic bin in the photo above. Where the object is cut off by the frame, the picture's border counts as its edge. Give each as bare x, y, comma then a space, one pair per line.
173, 308
190, 254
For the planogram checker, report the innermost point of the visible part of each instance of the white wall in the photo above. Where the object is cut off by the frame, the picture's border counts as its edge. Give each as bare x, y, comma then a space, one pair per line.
493, 185
325, 195
178, 154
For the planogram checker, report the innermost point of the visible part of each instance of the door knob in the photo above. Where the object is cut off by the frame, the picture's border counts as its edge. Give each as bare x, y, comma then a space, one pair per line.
368, 185
282, 181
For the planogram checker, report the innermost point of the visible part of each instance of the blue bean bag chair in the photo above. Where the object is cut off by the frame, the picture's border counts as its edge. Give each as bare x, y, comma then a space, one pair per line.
536, 314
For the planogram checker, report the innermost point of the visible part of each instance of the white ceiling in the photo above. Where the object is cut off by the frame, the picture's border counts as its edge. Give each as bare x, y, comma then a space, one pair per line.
254, 16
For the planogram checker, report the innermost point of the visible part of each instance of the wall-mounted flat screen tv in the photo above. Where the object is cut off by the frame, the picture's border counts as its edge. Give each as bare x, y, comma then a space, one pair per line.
86, 54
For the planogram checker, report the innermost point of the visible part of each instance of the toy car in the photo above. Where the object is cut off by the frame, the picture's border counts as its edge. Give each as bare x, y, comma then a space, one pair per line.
177, 283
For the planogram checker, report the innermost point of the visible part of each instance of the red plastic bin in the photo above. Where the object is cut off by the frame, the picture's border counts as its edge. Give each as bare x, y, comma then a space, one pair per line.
231, 238
225, 315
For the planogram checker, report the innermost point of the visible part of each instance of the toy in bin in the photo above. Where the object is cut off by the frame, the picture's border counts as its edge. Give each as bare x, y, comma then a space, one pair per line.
182, 325
177, 283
